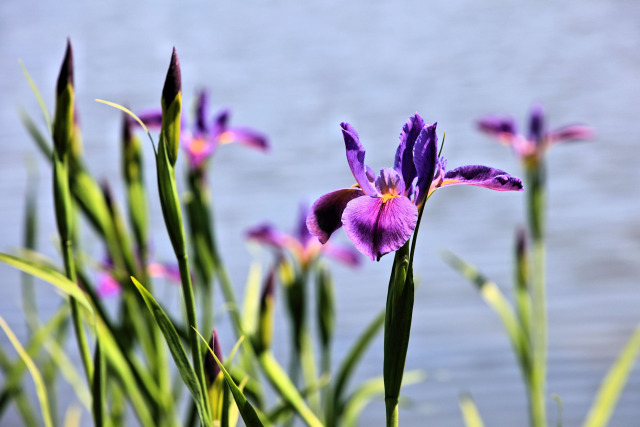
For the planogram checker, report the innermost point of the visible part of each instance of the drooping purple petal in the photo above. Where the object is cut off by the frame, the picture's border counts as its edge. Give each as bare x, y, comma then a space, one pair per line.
268, 235
482, 176
377, 227
202, 112
345, 254
404, 154
152, 118
325, 216
571, 133
355, 157
501, 127
537, 130
244, 136
425, 157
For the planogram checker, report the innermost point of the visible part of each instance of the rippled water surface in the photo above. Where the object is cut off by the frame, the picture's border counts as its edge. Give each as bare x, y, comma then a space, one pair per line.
296, 70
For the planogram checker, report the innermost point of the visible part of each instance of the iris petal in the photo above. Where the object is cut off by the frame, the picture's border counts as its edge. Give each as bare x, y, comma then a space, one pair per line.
377, 227
425, 157
482, 176
269, 235
571, 133
404, 154
536, 125
202, 110
355, 157
244, 136
501, 127
326, 213
344, 254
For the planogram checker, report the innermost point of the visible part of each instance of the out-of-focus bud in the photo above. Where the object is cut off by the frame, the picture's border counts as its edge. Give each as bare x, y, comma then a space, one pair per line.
211, 368
171, 109
63, 123
264, 331
132, 152
326, 305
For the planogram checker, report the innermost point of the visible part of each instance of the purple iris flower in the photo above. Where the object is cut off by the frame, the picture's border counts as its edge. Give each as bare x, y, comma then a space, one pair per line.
208, 133
532, 146
380, 213
304, 247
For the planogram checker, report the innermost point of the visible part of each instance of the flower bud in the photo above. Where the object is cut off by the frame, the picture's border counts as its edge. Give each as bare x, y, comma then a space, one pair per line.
264, 331
171, 109
63, 123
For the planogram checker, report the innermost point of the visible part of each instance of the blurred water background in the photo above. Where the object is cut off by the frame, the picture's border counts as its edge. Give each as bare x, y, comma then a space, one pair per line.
295, 70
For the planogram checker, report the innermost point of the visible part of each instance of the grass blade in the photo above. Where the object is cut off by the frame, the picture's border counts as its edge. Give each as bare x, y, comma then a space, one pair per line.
37, 378
612, 385
177, 351
470, 412
36, 92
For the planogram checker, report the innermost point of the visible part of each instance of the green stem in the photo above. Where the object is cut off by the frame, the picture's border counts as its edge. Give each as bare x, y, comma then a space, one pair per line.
536, 213
189, 301
391, 405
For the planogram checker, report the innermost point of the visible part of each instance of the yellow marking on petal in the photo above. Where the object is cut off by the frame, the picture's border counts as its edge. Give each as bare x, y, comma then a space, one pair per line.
386, 197
450, 181
225, 138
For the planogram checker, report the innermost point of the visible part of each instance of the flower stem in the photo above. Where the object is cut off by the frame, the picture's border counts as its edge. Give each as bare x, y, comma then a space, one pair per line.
536, 212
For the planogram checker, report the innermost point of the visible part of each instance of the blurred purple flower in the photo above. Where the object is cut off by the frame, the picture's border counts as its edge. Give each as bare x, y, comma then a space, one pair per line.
109, 287
304, 247
531, 147
208, 134
380, 213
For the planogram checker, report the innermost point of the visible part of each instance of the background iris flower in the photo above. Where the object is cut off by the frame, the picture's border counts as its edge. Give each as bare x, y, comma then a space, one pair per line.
208, 133
302, 245
380, 213
531, 147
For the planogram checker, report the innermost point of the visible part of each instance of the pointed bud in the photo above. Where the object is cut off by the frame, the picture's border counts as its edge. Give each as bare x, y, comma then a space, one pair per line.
63, 123
211, 368
132, 152
522, 261
264, 331
171, 108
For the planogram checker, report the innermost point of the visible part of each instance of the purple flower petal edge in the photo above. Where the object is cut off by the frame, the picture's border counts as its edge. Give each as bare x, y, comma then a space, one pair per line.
355, 157
325, 216
482, 176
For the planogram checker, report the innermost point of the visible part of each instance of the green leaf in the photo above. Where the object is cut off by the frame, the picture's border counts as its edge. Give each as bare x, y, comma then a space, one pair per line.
36, 92
177, 351
286, 388
556, 398
470, 412
350, 362
49, 275
612, 385
124, 109
497, 301
366, 392
41, 141
247, 411
99, 386
37, 378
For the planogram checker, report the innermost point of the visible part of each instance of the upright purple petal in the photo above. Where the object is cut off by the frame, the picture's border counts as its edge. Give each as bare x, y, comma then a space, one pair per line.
268, 235
501, 127
377, 227
425, 157
202, 112
537, 130
220, 123
482, 176
301, 232
390, 183
571, 133
244, 136
326, 213
355, 157
404, 154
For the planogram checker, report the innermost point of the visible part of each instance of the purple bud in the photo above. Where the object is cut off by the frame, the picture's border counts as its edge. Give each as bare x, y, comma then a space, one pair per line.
173, 82
211, 367
66, 71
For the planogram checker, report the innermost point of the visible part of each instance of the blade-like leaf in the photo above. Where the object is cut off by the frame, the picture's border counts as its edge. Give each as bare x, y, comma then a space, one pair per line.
99, 386
41, 141
612, 385
497, 301
247, 411
49, 275
470, 412
36, 92
37, 378
177, 350
366, 392
132, 114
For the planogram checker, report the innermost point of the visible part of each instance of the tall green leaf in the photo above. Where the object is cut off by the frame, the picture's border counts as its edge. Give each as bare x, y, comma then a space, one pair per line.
470, 412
